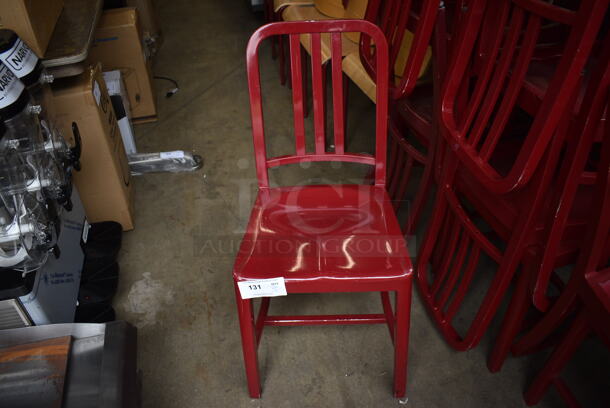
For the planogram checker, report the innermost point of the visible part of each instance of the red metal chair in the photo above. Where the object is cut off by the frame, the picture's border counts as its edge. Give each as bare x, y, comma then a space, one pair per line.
501, 74
324, 238
480, 171
556, 240
410, 140
566, 213
588, 288
580, 150
414, 114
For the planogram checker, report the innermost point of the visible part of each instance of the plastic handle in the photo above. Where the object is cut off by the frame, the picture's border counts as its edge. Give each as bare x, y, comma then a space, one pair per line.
75, 151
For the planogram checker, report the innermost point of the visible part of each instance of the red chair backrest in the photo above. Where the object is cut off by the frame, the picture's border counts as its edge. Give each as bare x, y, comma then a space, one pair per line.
494, 48
316, 28
583, 131
592, 263
394, 17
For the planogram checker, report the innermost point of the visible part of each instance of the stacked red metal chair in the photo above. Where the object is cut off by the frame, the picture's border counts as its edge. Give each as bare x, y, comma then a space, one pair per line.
567, 209
587, 293
499, 163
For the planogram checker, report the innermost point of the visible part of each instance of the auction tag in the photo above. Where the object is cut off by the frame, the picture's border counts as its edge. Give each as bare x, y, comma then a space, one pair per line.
262, 288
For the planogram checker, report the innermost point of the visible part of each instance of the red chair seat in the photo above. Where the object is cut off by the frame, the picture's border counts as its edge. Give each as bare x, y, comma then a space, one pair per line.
320, 234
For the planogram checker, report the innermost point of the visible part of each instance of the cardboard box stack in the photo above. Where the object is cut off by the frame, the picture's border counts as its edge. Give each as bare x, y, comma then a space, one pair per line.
104, 182
149, 22
118, 44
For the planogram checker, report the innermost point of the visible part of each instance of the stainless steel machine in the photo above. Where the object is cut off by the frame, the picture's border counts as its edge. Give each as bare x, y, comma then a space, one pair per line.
42, 222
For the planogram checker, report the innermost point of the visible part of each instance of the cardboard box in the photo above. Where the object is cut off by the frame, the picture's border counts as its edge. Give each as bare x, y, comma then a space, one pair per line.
117, 44
120, 103
148, 18
104, 181
32, 20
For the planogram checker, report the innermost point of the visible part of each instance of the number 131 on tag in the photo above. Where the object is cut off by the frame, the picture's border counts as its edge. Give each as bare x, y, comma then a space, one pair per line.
262, 288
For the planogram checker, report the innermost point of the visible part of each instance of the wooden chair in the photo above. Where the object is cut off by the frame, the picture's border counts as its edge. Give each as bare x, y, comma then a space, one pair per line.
273, 13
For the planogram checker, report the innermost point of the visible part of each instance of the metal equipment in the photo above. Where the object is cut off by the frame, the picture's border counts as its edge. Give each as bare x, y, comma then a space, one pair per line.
42, 222
101, 368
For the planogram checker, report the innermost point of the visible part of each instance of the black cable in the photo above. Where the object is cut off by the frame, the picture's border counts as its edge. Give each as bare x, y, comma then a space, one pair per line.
171, 92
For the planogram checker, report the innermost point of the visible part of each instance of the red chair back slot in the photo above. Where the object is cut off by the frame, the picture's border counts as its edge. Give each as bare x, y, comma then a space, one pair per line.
334, 28
394, 17
495, 47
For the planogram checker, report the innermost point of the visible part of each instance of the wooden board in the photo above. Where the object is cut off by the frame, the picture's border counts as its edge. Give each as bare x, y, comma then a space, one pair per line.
330, 8
73, 33
32, 375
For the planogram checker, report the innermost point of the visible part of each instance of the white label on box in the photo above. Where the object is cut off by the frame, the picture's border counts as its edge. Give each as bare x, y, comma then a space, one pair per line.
113, 82
97, 92
262, 288
127, 135
176, 154
20, 59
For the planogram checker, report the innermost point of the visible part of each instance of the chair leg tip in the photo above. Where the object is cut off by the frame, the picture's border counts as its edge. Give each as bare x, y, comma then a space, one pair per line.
402, 400
494, 366
529, 400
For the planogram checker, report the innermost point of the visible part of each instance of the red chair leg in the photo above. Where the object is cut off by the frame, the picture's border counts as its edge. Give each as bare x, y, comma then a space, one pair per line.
560, 357
387, 310
248, 343
260, 320
274, 44
549, 322
401, 339
423, 192
512, 323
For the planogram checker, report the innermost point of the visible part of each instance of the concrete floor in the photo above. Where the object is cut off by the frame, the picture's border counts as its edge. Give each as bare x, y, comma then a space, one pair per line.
176, 284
